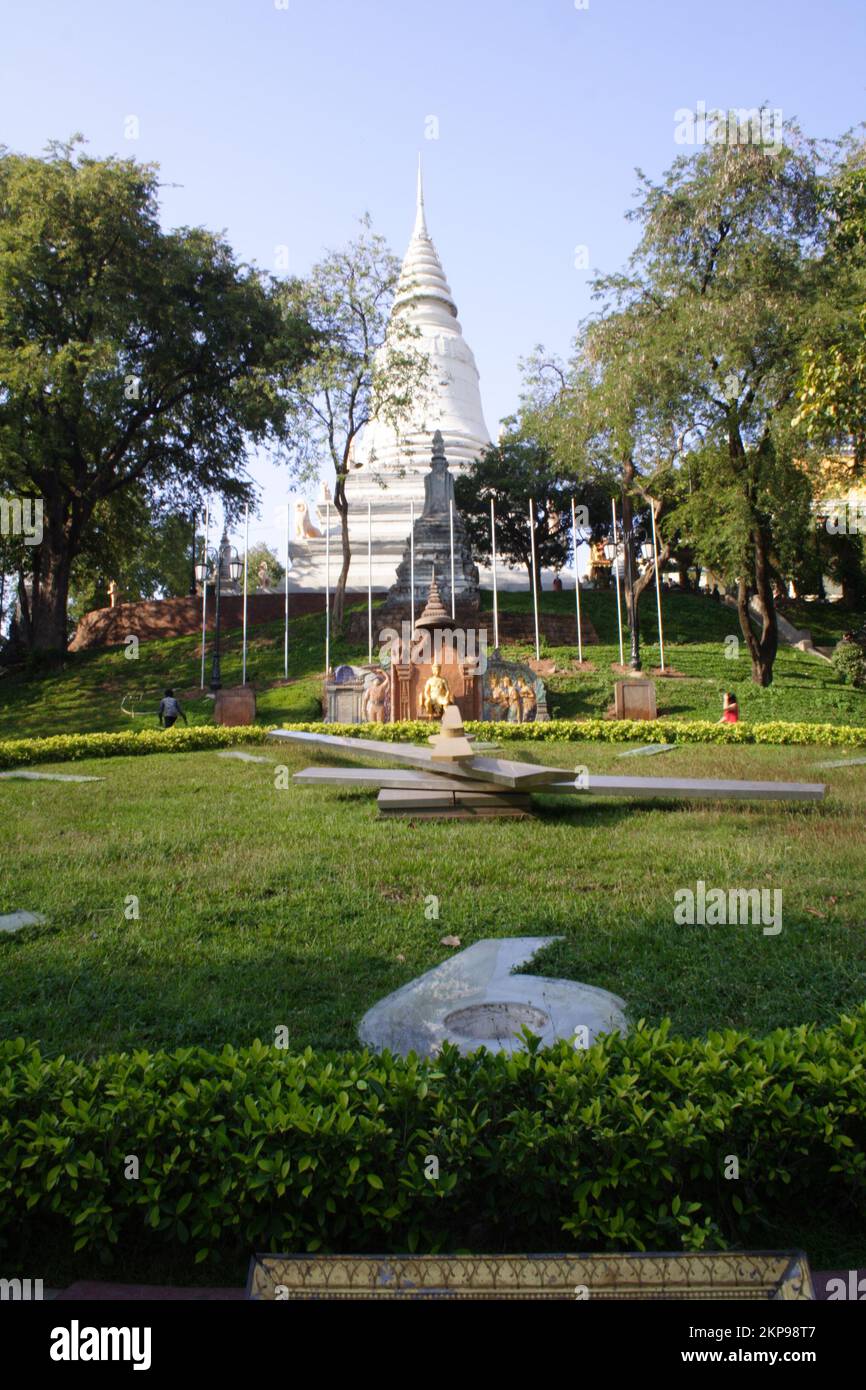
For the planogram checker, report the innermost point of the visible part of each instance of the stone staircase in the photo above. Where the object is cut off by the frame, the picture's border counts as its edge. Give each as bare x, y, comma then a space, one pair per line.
559, 629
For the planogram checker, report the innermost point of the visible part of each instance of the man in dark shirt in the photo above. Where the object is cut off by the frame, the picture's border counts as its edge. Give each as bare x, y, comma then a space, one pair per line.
170, 710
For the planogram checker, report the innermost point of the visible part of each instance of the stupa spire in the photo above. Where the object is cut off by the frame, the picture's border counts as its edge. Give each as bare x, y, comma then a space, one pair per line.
448, 399
422, 288
420, 228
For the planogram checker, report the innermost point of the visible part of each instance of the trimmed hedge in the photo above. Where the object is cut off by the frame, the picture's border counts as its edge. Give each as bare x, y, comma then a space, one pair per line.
61, 748
69, 747
626, 1145
849, 659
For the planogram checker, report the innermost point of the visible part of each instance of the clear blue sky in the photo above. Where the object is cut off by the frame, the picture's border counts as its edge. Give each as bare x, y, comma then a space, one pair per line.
282, 125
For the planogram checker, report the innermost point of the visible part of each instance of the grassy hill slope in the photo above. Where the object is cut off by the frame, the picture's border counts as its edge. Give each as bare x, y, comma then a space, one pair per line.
105, 690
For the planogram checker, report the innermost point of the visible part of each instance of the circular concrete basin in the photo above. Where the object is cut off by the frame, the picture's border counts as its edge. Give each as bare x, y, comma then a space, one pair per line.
494, 1020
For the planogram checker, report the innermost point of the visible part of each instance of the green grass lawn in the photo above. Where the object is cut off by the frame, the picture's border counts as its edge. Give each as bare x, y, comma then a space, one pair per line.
261, 907
87, 694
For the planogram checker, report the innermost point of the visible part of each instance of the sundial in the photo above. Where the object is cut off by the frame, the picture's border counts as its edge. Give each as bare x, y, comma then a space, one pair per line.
448, 779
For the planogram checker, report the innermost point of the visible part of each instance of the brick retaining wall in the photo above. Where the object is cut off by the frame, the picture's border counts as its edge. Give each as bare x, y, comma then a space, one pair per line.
181, 617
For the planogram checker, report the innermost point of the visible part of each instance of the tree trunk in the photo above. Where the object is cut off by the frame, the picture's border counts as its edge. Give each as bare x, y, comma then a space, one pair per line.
341, 502
649, 575
48, 601
528, 564
763, 646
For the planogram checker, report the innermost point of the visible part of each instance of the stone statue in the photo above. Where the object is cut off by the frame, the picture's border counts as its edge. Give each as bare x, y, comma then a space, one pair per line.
304, 528
513, 692
264, 577
113, 591
498, 699
438, 483
528, 700
513, 695
436, 696
376, 698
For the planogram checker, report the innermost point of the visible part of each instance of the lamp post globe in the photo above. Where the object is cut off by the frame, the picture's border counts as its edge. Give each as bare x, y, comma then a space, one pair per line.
213, 567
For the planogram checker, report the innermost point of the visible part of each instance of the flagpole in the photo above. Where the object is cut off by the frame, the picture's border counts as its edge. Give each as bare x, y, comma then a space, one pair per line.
451, 531
369, 583
204, 590
495, 598
616, 570
246, 571
327, 588
534, 576
412, 560
658, 587
576, 582
286, 619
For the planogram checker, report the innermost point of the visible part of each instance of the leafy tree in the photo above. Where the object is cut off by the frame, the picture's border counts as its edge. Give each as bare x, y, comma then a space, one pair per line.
832, 387
260, 555
512, 473
363, 365
598, 417
15, 556
146, 554
130, 358
699, 345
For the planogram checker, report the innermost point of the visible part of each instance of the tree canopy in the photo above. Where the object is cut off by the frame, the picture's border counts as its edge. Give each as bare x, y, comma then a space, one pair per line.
130, 358
684, 387
512, 474
832, 388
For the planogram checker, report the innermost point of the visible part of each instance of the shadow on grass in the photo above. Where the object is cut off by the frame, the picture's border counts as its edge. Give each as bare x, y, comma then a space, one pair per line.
162, 1005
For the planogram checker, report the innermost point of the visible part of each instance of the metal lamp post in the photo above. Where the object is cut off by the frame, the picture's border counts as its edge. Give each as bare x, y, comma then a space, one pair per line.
611, 554
611, 551
210, 567
193, 591
628, 547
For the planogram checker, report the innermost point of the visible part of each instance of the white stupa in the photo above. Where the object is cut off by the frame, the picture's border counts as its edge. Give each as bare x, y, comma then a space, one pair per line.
388, 466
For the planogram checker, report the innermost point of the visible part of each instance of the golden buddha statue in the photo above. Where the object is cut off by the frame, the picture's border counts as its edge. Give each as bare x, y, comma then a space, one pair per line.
436, 695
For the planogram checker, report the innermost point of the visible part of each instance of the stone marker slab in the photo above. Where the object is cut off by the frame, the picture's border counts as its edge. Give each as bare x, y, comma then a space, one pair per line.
14, 921
395, 777
682, 788
497, 770
647, 751
691, 789
843, 762
389, 1278
235, 706
474, 1000
441, 804
635, 699
243, 757
20, 774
